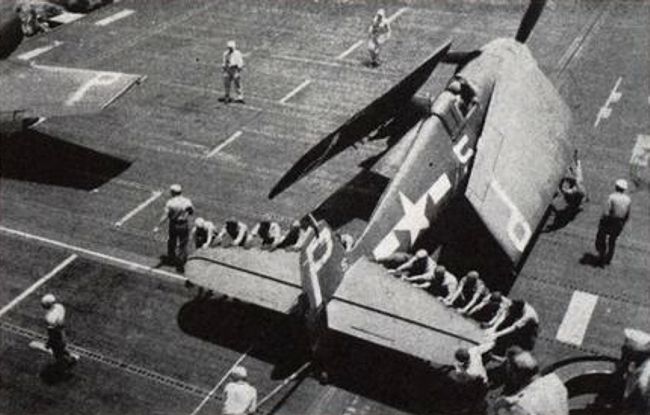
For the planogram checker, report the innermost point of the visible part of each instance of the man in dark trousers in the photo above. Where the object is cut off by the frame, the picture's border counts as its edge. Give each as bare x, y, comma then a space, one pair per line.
177, 211
614, 217
55, 322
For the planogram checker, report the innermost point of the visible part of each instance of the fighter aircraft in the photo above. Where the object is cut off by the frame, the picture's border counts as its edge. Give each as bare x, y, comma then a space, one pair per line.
497, 135
32, 92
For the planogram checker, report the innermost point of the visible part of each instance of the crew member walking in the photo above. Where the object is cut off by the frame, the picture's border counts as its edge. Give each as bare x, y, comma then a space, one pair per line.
55, 322
378, 34
612, 221
233, 63
177, 211
240, 398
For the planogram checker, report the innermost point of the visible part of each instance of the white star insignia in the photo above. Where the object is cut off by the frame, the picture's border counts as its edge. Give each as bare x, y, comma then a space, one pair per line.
415, 219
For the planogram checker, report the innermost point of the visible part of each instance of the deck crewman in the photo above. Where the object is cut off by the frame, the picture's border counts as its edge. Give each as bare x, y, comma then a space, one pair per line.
55, 323
240, 398
378, 34
233, 64
178, 210
203, 233
614, 217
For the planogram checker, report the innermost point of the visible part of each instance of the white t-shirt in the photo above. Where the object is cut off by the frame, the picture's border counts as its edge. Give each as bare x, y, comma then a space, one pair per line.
240, 399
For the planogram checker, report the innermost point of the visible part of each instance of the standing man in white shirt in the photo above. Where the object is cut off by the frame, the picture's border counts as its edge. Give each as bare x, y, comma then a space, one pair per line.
240, 398
55, 322
233, 64
178, 210
614, 217
378, 34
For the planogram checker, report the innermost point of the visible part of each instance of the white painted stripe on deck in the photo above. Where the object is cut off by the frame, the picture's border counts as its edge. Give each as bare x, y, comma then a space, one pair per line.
38, 51
154, 195
576, 320
295, 91
354, 47
37, 284
221, 381
115, 17
350, 50
94, 254
224, 144
606, 111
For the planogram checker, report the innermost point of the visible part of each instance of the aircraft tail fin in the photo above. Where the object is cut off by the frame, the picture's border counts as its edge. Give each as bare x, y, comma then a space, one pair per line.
321, 266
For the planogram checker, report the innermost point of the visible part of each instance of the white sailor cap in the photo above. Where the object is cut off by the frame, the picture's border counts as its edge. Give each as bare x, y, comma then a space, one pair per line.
48, 299
239, 372
175, 188
231, 44
381, 12
621, 184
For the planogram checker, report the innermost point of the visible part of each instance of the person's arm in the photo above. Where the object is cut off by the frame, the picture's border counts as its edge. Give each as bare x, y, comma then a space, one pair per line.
529, 314
475, 298
453, 296
426, 277
452, 286
211, 234
222, 233
253, 405
242, 231
479, 306
499, 316
424, 285
163, 218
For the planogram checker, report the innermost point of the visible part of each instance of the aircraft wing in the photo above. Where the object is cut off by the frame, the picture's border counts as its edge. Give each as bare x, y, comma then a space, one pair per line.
372, 305
521, 155
268, 279
363, 122
49, 91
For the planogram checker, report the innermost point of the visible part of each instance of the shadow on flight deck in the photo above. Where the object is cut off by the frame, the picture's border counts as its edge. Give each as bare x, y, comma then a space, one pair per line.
36, 157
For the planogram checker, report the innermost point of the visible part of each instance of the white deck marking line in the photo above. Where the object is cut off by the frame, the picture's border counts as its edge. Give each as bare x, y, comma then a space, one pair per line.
114, 17
284, 383
352, 48
94, 254
154, 195
221, 146
37, 284
574, 324
221, 381
38, 51
295, 91
614, 96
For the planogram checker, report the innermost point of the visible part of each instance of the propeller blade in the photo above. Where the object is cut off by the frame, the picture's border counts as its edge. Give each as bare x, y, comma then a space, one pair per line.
460, 58
529, 20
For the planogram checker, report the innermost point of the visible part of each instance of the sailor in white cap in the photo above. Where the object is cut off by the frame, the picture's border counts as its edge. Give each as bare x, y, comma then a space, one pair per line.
55, 322
233, 63
378, 34
614, 217
240, 397
178, 210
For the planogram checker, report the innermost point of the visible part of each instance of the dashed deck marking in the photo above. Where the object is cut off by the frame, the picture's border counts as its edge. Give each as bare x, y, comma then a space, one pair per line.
389, 19
576, 320
37, 284
606, 111
154, 195
221, 381
38, 51
93, 254
221, 146
114, 17
295, 91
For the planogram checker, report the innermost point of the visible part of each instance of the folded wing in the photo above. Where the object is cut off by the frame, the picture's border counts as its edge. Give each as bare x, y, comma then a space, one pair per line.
521, 155
50, 91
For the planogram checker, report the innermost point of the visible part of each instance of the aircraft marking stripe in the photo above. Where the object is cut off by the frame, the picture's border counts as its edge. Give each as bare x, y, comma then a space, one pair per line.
576, 319
83, 251
440, 188
38, 51
114, 17
154, 195
387, 246
221, 146
295, 91
38, 284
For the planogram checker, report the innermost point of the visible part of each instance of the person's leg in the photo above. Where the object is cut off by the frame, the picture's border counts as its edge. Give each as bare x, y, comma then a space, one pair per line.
239, 93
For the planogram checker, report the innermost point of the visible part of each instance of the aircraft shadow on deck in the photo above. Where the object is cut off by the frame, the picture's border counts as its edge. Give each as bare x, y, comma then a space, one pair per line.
36, 157
362, 368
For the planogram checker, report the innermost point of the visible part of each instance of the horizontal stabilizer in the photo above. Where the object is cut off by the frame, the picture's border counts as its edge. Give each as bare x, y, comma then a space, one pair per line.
362, 123
373, 305
264, 278
51, 91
